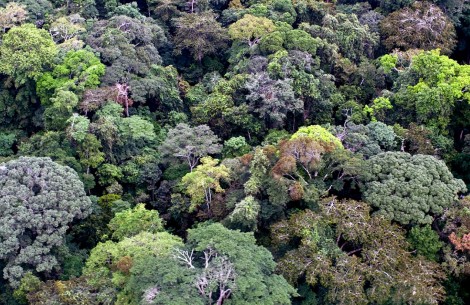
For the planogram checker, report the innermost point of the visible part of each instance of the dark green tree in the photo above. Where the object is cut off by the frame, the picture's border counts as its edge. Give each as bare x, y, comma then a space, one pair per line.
409, 189
41, 198
369, 140
353, 39
425, 241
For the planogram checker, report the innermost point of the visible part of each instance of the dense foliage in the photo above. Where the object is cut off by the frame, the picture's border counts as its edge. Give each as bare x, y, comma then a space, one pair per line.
234, 152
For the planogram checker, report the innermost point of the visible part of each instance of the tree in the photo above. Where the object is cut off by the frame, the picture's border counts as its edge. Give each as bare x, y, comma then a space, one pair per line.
78, 71
135, 134
59, 109
131, 222
29, 283
272, 99
12, 15
105, 129
320, 135
200, 34
109, 174
369, 140
425, 241
190, 143
409, 189
38, 10
212, 109
442, 82
418, 140
258, 170
41, 198
67, 28
18, 104
421, 26
6, 143
457, 229
299, 64
353, 39
251, 29
25, 52
235, 146
219, 111
52, 144
378, 107
303, 151
89, 152
159, 89
109, 266
72, 292
245, 214
354, 258
216, 266
165, 9
128, 46
78, 127
427, 87
85, 8
388, 6
205, 179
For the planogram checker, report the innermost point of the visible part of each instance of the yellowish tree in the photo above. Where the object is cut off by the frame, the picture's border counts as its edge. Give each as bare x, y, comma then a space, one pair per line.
251, 29
12, 15
320, 135
203, 181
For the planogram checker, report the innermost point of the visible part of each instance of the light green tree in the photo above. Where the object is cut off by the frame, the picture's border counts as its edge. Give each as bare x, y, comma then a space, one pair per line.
235, 146
26, 52
78, 127
109, 265
79, 70
428, 87
133, 221
378, 108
